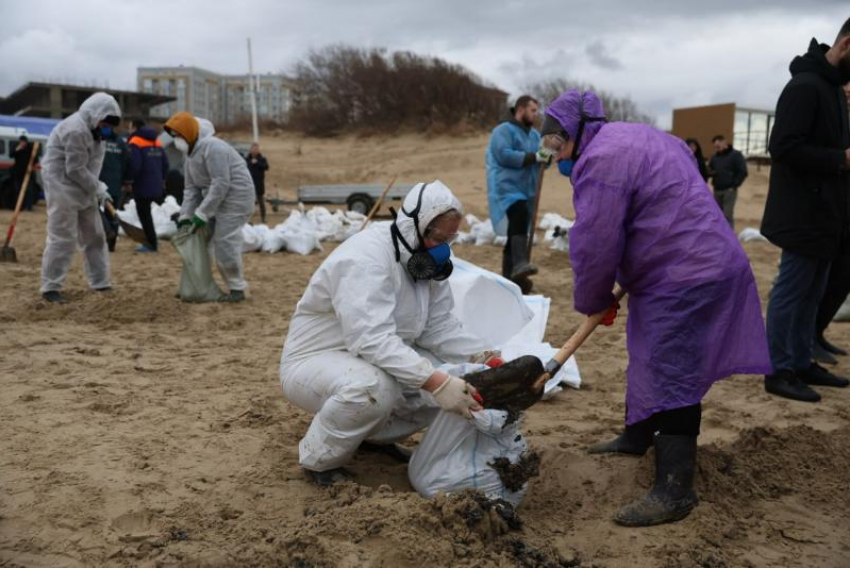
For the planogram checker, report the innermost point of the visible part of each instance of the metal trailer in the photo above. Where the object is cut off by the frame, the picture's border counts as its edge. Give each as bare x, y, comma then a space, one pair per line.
357, 197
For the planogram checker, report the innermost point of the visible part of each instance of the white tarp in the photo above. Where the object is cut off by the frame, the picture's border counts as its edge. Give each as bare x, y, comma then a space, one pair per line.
517, 325
163, 225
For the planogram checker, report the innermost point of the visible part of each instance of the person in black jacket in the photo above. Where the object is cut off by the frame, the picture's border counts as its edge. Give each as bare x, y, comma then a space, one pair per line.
258, 165
837, 289
19, 171
696, 148
728, 170
806, 213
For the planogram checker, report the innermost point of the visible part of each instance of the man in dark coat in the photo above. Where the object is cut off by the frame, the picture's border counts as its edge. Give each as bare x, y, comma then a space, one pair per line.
19, 171
113, 174
258, 165
806, 213
147, 172
728, 170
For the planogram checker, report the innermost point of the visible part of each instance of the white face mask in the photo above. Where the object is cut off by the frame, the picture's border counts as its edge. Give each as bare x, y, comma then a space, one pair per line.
181, 145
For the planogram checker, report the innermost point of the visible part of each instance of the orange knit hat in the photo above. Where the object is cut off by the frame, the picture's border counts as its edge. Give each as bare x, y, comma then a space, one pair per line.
183, 124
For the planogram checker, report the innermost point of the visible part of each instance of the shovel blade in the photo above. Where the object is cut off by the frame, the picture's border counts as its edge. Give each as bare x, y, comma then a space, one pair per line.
510, 387
8, 254
135, 233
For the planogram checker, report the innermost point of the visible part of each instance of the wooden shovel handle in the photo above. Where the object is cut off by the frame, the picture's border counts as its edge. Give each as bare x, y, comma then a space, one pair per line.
584, 331
378, 203
21, 192
541, 170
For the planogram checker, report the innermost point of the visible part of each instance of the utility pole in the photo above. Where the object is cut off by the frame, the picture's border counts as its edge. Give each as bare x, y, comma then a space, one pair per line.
253, 85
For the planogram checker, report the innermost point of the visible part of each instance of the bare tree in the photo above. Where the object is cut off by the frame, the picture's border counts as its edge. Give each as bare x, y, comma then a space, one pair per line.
620, 109
341, 88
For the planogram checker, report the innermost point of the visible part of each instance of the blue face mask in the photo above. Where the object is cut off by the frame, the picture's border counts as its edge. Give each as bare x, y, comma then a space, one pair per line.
106, 131
440, 254
566, 167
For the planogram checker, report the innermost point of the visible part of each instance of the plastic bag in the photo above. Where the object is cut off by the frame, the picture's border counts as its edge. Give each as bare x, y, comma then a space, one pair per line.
196, 279
456, 454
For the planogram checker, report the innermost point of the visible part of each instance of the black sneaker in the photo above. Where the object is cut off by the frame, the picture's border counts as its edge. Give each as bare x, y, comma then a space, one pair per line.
786, 384
817, 375
54, 297
821, 355
395, 451
830, 347
235, 296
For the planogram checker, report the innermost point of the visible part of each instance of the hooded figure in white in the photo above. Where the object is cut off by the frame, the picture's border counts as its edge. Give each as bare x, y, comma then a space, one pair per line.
70, 171
365, 338
218, 187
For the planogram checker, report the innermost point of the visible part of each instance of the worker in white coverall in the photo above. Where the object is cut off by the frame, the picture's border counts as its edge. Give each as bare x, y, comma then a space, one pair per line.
71, 170
364, 340
219, 191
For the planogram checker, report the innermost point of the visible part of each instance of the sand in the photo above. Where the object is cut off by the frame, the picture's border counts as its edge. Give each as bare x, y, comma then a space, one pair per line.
140, 431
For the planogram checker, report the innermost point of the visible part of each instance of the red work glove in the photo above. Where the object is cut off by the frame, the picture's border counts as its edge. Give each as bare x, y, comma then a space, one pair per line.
610, 315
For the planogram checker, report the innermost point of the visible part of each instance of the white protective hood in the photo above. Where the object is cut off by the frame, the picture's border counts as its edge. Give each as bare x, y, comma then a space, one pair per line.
436, 200
97, 107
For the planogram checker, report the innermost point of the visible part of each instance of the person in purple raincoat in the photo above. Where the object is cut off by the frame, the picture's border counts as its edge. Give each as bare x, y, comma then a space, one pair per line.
644, 220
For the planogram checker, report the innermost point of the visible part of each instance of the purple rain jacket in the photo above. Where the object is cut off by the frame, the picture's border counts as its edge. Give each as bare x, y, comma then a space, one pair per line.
645, 219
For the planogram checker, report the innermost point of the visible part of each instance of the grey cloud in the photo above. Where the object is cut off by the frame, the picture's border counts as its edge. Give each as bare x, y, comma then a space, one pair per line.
598, 54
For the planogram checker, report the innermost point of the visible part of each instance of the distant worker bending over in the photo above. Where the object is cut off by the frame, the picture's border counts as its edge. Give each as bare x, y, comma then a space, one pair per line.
218, 191
365, 337
512, 169
70, 171
645, 221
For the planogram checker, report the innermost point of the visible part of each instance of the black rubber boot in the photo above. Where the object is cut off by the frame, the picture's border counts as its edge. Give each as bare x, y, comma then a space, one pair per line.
830, 347
821, 355
329, 477
788, 385
634, 440
522, 269
817, 375
398, 453
54, 297
672, 497
506, 263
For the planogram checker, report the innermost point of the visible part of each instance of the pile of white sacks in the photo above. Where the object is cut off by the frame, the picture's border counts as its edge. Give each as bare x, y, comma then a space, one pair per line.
305, 230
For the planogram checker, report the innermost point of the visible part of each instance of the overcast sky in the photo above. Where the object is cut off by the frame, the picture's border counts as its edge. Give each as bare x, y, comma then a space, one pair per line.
663, 53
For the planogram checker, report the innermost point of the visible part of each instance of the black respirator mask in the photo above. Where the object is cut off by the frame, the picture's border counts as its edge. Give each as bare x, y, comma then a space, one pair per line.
424, 263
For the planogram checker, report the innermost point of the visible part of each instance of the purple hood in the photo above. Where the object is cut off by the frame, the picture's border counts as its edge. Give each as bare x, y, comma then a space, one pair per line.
565, 109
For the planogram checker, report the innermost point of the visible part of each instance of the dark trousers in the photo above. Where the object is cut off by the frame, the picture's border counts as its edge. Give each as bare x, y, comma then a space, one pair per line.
261, 201
684, 421
143, 210
793, 308
517, 226
837, 289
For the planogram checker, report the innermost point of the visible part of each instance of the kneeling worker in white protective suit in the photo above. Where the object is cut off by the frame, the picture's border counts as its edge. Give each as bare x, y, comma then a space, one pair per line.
218, 187
71, 171
364, 338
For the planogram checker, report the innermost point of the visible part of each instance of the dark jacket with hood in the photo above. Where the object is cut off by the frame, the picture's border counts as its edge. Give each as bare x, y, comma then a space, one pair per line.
148, 164
808, 206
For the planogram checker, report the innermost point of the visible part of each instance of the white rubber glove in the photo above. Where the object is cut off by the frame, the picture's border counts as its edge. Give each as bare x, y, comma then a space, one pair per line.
103, 193
456, 395
543, 155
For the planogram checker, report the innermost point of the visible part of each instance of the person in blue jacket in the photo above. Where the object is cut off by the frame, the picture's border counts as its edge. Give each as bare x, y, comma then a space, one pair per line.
147, 172
512, 169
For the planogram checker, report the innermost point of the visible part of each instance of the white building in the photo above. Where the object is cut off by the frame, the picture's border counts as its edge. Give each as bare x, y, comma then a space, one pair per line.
223, 99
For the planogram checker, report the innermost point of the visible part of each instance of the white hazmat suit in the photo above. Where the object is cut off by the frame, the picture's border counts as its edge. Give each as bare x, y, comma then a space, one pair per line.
219, 186
365, 337
70, 170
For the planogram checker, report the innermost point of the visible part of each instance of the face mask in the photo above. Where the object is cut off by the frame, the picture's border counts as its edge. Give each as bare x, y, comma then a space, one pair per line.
181, 145
106, 131
425, 263
95, 132
566, 167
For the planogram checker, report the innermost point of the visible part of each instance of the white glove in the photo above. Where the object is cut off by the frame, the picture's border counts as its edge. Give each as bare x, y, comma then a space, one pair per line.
543, 155
456, 395
103, 193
